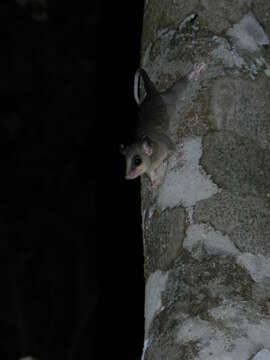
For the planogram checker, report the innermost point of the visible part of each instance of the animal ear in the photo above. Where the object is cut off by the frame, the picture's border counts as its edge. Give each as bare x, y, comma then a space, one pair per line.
122, 149
147, 146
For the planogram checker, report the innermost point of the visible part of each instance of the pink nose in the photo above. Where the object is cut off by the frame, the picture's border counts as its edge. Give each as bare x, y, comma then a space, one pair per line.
130, 175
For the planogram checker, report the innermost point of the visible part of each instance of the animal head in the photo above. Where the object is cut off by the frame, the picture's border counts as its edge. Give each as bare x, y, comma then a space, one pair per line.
138, 157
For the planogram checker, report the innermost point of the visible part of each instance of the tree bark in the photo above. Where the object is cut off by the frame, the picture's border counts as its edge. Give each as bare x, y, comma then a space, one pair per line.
207, 226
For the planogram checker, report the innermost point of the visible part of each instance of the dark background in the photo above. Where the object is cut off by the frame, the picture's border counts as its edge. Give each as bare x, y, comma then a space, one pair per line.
71, 248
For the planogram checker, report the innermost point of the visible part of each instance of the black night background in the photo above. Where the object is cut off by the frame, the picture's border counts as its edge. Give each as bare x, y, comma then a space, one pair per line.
71, 275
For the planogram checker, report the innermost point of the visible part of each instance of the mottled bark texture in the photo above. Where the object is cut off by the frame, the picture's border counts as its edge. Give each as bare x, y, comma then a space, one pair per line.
207, 226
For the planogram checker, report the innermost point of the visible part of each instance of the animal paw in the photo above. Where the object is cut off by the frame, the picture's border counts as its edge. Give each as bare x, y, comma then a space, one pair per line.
196, 71
154, 184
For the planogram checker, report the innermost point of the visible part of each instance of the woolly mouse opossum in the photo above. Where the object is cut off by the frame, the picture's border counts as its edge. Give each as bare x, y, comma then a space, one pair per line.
152, 144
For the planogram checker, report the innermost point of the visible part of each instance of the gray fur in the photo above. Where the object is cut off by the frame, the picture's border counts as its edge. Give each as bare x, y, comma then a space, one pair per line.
153, 144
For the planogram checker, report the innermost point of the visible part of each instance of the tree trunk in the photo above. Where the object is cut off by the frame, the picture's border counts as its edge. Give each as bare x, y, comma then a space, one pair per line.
207, 226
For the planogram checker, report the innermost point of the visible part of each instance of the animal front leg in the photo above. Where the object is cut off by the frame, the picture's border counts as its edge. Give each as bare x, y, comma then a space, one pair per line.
157, 175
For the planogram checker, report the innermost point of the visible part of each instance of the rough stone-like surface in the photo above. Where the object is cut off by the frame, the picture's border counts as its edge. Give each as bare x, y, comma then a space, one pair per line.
262, 355
171, 55
166, 14
240, 105
261, 9
155, 285
187, 324
163, 243
188, 183
224, 53
258, 266
218, 15
248, 34
237, 163
208, 223
245, 220
201, 238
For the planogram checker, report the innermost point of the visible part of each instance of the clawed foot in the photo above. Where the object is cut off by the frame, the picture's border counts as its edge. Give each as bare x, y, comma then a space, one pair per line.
157, 175
196, 71
154, 184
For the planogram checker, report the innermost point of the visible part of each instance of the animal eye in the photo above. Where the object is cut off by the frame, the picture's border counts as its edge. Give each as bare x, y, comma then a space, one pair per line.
137, 160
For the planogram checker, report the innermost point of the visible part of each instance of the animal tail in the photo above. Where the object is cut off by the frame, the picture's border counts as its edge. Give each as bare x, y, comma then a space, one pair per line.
148, 85
136, 87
